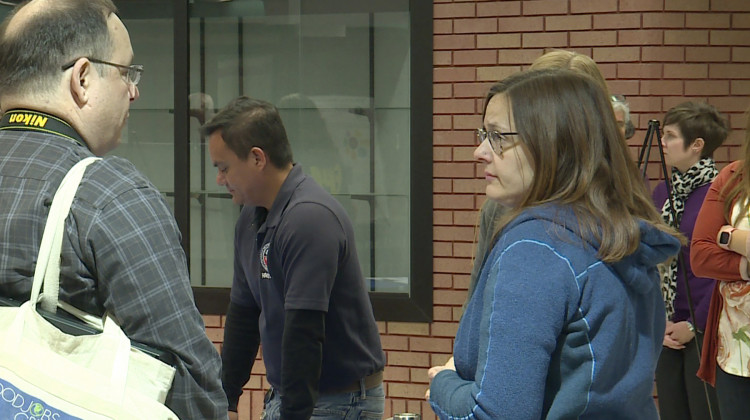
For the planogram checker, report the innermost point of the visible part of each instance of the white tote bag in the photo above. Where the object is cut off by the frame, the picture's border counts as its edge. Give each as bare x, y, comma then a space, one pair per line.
46, 374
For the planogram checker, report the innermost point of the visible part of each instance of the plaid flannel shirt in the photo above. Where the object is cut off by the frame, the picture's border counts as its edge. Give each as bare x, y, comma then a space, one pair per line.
121, 254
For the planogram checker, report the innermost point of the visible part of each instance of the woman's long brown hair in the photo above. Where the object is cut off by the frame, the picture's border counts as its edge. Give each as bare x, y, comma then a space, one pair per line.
568, 129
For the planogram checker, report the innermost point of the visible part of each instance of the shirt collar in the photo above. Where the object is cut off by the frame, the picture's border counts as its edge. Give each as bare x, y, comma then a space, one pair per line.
295, 177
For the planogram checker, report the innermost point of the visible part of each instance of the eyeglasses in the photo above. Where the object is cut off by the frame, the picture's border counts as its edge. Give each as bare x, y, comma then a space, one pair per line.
133, 74
498, 141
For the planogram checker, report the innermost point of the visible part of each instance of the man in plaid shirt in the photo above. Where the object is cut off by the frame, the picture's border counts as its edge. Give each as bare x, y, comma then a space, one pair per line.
66, 84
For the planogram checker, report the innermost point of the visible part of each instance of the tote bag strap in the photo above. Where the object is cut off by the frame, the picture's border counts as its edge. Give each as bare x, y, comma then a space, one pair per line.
47, 270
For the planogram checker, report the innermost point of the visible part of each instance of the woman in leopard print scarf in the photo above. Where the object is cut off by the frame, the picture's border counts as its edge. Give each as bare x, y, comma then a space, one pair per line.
692, 131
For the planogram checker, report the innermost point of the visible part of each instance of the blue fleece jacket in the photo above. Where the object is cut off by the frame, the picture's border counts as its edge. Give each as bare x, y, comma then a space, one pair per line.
553, 332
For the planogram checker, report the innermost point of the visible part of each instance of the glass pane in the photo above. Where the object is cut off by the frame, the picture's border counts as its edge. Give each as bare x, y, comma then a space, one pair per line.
148, 140
339, 72
212, 218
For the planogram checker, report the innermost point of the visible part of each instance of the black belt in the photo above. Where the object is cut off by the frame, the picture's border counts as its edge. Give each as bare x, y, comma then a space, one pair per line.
370, 381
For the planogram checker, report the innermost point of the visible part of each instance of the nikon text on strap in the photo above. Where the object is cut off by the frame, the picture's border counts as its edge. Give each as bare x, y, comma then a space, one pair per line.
24, 119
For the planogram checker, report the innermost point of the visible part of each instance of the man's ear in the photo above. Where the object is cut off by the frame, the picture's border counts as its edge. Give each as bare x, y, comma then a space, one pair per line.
80, 81
258, 157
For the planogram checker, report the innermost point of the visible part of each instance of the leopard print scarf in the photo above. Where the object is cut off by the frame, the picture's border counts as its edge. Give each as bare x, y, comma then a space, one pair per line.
702, 173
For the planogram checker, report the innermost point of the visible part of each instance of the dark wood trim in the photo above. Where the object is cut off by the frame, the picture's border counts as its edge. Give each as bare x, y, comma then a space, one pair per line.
181, 122
415, 306
212, 300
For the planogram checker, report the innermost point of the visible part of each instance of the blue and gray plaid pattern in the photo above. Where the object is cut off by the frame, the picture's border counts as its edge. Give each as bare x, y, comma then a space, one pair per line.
121, 253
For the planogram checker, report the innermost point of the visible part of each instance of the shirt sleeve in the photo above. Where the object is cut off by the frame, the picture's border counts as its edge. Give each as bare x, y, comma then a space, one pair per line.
144, 283
301, 362
311, 244
238, 352
514, 357
706, 258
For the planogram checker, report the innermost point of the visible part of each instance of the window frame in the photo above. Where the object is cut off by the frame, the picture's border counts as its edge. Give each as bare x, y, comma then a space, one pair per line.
415, 306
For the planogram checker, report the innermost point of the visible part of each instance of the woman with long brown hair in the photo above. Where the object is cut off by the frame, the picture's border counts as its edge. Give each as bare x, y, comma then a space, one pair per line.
567, 317
491, 211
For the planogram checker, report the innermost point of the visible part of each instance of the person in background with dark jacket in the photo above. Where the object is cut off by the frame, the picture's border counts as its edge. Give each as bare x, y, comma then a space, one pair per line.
692, 131
298, 287
567, 318
66, 85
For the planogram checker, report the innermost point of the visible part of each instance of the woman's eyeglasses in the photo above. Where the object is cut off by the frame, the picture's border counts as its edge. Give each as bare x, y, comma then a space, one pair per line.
498, 140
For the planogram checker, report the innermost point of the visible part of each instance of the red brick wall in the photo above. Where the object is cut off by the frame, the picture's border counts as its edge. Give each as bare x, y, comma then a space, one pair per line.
656, 52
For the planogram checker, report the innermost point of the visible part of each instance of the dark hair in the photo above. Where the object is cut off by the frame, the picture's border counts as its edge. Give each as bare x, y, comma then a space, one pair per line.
31, 56
246, 123
569, 133
699, 120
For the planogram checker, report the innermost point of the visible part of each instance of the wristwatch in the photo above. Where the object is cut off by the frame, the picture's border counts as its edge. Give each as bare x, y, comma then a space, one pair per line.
725, 235
690, 327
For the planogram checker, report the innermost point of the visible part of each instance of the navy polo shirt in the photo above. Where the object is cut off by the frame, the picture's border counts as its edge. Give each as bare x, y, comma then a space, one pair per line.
302, 255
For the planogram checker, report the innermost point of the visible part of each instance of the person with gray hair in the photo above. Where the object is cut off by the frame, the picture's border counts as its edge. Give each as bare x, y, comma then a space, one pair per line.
66, 85
622, 115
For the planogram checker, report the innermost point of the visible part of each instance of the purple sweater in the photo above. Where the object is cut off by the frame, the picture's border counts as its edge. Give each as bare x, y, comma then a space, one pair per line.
700, 287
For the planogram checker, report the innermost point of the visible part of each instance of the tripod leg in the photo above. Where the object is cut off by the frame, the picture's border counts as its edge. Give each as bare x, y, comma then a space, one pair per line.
646, 145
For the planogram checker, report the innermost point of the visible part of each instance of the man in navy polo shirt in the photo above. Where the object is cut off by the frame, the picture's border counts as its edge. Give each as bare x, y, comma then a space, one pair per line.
298, 287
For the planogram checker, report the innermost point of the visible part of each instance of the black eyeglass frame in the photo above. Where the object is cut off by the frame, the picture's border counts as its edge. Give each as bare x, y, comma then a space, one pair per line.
134, 70
495, 138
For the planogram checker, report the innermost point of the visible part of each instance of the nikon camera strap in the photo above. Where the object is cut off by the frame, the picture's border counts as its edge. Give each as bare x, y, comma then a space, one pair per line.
28, 120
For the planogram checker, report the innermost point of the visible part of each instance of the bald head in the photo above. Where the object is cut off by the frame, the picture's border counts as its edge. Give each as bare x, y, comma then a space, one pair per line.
25, 12
39, 36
